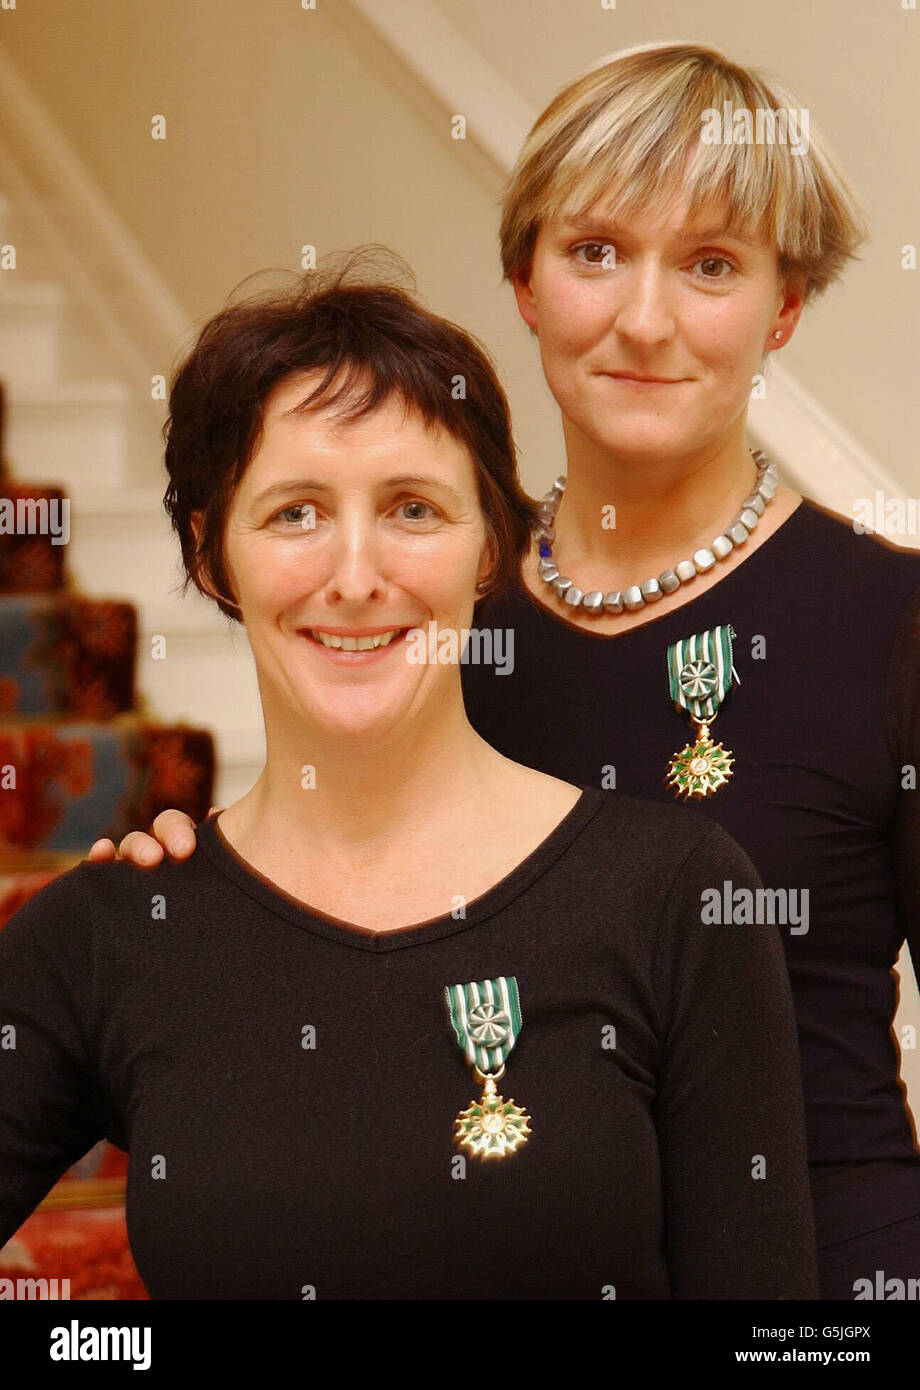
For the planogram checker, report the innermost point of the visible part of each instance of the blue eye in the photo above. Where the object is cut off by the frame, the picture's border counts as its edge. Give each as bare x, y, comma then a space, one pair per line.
302, 516
295, 515
416, 503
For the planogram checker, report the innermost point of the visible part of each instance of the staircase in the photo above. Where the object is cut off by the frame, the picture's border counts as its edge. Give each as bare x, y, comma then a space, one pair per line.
77, 418
117, 697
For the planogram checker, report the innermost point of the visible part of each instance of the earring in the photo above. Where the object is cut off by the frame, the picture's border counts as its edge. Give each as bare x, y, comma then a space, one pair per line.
778, 333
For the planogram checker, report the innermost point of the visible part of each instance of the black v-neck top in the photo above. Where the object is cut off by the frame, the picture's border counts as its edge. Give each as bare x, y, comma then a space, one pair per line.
286, 1085
826, 717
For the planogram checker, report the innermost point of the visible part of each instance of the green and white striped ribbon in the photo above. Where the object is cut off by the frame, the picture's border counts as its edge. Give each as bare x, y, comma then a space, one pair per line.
700, 670
486, 1017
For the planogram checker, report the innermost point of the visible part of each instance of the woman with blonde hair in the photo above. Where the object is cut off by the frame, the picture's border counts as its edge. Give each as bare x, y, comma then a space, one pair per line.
662, 239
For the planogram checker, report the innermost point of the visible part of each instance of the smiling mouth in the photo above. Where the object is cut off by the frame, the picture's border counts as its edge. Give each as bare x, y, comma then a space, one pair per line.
339, 643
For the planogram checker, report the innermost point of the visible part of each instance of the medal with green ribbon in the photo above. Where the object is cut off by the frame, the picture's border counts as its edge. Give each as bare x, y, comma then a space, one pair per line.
486, 1017
700, 675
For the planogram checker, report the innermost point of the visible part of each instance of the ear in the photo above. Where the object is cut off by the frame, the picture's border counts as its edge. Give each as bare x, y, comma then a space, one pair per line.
204, 580
523, 293
487, 562
789, 313
195, 520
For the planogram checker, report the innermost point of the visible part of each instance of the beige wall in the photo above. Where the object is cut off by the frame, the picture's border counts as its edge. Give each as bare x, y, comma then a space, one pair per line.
280, 132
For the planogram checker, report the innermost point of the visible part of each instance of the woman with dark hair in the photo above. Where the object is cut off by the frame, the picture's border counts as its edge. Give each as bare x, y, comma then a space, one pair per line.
673, 580
290, 1032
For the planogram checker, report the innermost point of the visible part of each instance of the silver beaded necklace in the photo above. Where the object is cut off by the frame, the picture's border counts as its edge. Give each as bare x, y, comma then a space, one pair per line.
635, 596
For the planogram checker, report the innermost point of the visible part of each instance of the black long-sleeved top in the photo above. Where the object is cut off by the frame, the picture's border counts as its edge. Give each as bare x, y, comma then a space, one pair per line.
166, 1009
825, 720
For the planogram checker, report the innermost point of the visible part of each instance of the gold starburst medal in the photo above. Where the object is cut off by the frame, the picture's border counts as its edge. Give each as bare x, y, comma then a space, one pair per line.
486, 1018
700, 768
700, 675
491, 1127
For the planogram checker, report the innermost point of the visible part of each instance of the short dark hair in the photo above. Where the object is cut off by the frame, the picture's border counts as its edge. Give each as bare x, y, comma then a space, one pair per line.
375, 339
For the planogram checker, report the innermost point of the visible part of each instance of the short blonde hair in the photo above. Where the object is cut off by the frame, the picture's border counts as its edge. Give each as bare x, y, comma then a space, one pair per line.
627, 133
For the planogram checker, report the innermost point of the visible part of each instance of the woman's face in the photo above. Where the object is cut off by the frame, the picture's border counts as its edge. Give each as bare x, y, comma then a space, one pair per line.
396, 540
655, 300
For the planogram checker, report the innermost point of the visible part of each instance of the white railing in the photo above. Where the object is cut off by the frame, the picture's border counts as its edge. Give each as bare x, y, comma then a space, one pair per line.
92, 250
